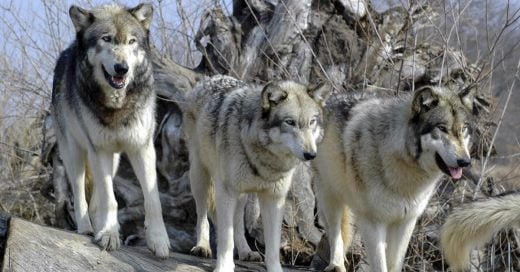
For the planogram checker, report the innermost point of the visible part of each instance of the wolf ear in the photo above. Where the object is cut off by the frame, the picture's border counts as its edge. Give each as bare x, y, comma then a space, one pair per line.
320, 93
272, 94
467, 97
81, 18
143, 13
424, 99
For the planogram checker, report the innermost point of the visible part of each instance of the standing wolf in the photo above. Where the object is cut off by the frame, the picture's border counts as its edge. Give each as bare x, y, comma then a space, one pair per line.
241, 139
381, 159
474, 224
103, 103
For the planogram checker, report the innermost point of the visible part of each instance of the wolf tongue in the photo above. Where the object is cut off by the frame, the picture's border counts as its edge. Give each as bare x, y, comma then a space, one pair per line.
456, 173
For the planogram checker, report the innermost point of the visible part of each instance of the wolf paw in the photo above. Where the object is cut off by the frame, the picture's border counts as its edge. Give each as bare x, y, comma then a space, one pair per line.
335, 268
250, 256
108, 240
274, 267
86, 231
201, 252
224, 269
158, 242
85, 227
160, 248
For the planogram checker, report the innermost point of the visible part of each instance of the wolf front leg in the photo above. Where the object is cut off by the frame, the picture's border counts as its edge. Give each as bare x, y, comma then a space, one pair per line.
143, 163
374, 235
398, 237
271, 209
103, 205
226, 201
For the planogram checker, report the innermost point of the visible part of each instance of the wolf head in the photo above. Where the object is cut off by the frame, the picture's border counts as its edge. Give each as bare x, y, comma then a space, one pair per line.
441, 121
115, 40
293, 117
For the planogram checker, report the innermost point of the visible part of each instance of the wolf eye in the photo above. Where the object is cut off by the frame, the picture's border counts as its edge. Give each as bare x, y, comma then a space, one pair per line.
313, 121
443, 128
290, 122
106, 39
132, 41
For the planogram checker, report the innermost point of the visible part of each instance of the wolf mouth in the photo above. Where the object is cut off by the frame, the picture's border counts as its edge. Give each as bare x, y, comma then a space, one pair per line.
117, 82
454, 172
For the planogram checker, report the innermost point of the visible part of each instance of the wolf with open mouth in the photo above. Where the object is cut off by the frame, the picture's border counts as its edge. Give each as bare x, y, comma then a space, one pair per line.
103, 103
380, 160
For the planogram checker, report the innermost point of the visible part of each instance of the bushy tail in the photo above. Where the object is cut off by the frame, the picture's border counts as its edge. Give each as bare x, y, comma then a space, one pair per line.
474, 224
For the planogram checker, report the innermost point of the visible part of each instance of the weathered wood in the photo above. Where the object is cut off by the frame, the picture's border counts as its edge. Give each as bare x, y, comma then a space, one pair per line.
31, 247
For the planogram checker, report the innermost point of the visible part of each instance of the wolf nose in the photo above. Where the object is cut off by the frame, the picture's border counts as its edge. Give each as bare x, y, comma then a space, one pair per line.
464, 162
309, 155
121, 68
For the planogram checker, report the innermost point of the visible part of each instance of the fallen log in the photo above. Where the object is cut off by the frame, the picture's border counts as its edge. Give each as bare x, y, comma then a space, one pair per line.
32, 247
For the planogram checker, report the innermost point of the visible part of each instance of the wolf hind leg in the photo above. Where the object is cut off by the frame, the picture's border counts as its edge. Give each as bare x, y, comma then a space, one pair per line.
143, 162
201, 188
244, 251
103, 205
398, 238
75, 166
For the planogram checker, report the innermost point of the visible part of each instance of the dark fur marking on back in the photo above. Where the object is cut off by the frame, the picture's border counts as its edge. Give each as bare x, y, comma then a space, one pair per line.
233, 108
353, 157
340, 105
215, 105
356, 169
218, 90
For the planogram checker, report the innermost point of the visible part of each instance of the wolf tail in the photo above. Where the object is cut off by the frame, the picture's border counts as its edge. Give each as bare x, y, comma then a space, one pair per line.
474, 224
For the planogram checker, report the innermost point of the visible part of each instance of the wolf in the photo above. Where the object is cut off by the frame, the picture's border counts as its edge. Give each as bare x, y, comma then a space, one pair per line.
380, 160
245, 138
474, 224
103, 102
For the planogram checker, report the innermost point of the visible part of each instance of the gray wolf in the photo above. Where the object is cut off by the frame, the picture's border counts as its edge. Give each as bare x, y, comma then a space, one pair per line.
380, 160
104, 104
474, 224
243, 139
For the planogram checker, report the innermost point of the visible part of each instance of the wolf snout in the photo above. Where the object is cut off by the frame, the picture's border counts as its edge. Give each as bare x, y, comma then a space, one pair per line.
309, 155
464, 162
121, 68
